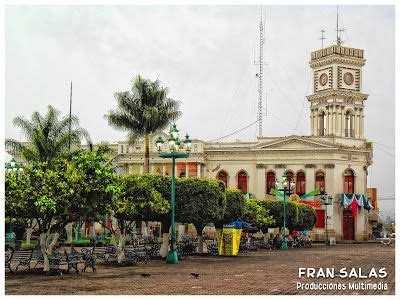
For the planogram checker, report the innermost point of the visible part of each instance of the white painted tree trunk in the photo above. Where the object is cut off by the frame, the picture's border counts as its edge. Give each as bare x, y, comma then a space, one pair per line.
47, 243
92, 230
68, 229
144, 229
28, 235
164, 246
121, 248
200, 245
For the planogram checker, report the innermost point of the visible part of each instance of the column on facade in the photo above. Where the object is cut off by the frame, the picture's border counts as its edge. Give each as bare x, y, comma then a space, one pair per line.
152, 168
163, 169
310, 180
130, 169
343, 122
315, 131
362, 124
339, 120
260, 183
176, 170
198, 170
356, 123
334, 119
329, 120
186, 169
141, 168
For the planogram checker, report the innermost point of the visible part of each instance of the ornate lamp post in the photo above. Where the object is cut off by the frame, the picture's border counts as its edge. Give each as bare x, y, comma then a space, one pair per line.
174, 153
9, 168
287, 190
326, 200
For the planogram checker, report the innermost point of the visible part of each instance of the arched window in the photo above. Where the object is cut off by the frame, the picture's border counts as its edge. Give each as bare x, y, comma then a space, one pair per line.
242, 181
300, 183
270, 181
320, 181
349, 182
322, 123
349, 126
223, 176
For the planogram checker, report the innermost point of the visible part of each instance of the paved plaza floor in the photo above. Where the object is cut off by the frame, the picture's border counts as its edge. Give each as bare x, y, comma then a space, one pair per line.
251, 273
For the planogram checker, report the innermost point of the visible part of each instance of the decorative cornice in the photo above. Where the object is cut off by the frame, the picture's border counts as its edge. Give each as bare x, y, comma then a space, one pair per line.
347, 95
280, 166
260, 166
329, 166
337, 59
309, 166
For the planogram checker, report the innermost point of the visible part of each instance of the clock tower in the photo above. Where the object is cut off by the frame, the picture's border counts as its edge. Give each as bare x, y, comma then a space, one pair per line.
337, 102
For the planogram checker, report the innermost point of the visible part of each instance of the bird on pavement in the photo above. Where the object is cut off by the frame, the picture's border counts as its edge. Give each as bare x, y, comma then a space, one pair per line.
145, 275
195, 275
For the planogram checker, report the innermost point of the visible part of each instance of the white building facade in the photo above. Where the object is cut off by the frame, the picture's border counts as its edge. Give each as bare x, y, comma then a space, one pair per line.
334, 159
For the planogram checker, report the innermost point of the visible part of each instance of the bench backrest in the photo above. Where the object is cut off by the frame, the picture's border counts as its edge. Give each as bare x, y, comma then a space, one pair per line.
21, 254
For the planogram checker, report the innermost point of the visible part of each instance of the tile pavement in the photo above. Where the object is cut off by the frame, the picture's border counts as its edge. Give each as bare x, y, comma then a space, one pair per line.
252, 273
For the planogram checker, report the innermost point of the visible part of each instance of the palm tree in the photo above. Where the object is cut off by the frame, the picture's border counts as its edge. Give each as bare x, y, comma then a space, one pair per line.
143, 111
48, 136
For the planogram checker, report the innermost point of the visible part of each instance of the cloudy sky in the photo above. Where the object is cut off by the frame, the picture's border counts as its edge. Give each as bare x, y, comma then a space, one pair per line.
205, 55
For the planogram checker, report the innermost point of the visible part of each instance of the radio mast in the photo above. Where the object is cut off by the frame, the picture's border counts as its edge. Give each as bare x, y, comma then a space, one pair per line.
261, 64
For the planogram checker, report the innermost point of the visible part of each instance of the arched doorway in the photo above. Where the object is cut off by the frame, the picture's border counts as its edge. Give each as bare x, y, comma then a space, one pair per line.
223, 176
320, 181
270, 181
348, 182
242, 181
300, 183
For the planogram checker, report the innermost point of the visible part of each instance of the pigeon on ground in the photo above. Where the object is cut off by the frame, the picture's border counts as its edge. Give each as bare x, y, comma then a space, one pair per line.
145, 275
196, 275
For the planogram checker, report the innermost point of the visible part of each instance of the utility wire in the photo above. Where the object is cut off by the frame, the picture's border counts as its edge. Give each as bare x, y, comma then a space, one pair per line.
222, 137
304, 101
388, 153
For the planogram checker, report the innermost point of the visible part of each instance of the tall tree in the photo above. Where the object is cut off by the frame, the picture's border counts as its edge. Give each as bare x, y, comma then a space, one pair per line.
142, 111
49, 136
56, 196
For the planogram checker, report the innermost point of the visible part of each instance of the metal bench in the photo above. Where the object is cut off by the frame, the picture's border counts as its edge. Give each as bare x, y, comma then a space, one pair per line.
136, 253
23, 257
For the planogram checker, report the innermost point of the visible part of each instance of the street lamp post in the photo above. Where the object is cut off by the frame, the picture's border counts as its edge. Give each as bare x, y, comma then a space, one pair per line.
326, 200
10, 168
174, 153
286, 190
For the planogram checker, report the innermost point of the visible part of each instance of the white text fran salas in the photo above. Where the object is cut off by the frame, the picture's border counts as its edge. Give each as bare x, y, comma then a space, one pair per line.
342, 273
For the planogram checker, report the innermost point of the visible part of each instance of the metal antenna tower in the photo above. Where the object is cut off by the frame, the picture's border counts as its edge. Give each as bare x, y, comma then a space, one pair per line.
322, 38
339, 40
261, 64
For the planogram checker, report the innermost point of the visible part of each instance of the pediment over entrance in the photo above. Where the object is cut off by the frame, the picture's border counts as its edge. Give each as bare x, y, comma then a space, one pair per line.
294, 142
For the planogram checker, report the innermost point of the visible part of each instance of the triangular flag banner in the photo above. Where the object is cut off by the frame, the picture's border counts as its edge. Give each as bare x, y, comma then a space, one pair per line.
276, 193
312, 193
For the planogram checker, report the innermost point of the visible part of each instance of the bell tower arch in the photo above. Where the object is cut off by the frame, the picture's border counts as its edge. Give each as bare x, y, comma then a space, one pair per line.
337, 102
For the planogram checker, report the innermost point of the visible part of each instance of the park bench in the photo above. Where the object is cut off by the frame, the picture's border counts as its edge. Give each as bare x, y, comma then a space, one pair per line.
136, 253
22, 257
212, 247
153, 250
187, 248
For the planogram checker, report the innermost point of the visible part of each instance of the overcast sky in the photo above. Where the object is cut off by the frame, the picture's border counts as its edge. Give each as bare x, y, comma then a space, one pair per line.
205, 55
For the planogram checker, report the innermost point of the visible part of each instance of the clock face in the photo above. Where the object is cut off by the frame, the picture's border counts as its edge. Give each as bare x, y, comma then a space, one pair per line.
323, 79
348, 78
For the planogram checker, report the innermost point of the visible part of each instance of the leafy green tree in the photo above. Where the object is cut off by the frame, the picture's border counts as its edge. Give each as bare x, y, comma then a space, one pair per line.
133, 200
61, 194
49, 136
256, 214
235, 206
199, 201
299, 216
143, 111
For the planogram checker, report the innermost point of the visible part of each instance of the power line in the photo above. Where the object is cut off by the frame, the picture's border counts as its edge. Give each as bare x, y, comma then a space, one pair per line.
385, 145
390, 154
304, 101
233, 132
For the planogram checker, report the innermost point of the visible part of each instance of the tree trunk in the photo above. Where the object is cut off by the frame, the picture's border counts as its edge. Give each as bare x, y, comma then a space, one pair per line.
121, 248
199, 229
164, 246
92, 230
68, 229
28, 235
144, 229
47, 243
146, 166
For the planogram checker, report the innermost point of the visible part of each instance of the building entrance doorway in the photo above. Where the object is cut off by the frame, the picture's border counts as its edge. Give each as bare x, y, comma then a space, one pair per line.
348, 225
